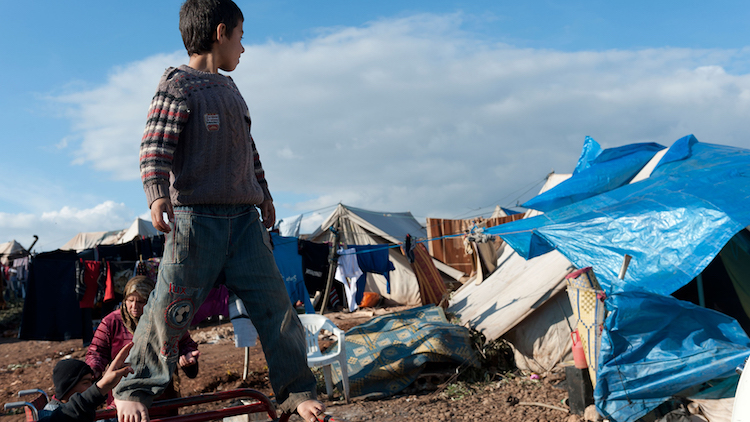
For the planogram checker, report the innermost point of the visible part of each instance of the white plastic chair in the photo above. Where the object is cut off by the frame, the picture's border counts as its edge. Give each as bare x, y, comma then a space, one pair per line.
313, 323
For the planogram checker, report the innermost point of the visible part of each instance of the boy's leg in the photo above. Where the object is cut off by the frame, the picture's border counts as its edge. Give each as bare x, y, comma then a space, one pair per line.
191, 263
253, 276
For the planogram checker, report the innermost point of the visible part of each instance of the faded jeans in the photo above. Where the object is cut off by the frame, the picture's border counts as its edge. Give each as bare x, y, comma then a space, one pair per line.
205, 241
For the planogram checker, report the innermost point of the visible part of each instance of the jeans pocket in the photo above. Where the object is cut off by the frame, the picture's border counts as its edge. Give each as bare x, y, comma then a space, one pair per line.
181, 232
266, 237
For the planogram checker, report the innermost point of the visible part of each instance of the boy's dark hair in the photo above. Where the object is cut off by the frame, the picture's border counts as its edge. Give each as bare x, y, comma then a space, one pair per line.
199, 19
66, 374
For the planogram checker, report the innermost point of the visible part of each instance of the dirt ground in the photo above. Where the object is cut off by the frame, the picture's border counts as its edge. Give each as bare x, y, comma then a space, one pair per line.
507, 397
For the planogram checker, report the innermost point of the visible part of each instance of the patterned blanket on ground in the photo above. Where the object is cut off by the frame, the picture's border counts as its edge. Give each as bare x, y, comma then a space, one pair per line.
387, 353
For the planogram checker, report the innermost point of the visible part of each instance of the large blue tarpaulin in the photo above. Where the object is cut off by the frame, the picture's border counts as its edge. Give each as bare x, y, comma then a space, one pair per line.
597, 171
673, 224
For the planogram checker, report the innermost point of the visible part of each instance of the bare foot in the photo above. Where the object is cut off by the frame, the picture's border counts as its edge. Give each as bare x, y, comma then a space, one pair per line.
310, 409
131, 411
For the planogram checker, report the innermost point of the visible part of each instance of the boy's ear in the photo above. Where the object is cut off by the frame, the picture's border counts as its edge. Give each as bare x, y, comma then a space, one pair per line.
221, 33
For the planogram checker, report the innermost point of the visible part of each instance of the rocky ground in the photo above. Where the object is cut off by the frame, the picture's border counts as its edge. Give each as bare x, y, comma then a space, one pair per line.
498, 395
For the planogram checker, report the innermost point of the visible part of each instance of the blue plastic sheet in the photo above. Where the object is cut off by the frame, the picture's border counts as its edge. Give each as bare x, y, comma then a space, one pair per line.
597, 171
673, 224
289, 262
655, 347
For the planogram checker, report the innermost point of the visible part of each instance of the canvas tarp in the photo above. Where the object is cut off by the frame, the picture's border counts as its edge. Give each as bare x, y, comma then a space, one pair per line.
88, 240
673, 224
523, 301
9, 250
363, 227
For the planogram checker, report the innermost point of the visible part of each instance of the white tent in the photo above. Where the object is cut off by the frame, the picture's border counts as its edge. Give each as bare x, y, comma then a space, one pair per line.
362, 227
525, 302
10, 249
88, 240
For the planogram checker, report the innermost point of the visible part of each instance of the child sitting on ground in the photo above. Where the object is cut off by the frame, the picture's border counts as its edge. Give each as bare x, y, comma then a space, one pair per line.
76, 396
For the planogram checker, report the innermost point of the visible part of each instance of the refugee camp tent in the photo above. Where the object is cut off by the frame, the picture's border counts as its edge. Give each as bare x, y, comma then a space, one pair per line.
524, 302
88, 240
694, 205
10, 250
363, 227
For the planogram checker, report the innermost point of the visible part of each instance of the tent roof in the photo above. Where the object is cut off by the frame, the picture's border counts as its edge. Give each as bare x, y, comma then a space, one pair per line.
672, 223
88, 240
9, 249
695, 200
392, 226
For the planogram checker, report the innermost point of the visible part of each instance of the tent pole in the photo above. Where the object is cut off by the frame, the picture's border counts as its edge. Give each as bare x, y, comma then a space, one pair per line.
333, 258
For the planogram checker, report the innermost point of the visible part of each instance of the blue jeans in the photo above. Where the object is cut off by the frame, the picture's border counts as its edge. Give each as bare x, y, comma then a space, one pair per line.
205, 241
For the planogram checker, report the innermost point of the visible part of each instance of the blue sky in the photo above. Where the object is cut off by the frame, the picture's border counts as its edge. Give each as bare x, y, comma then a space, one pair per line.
442, 108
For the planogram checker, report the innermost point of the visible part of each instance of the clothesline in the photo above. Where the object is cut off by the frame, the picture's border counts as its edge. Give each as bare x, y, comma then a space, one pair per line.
395, 245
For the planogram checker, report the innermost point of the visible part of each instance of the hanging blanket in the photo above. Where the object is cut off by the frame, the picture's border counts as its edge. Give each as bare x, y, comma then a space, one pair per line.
387, 353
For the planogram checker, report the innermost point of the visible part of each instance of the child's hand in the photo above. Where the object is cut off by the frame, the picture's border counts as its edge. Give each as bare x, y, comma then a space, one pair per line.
116, 370
189, 358
268, 212
158, 209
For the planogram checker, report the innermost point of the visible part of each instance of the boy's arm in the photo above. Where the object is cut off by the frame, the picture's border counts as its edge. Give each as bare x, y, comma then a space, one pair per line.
267, 210
82, 406
167, 116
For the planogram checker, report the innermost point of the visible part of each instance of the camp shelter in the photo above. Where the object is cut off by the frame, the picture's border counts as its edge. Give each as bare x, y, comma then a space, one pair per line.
460, 243
363, 227
11, 250
694, 205
523, 301
88, 240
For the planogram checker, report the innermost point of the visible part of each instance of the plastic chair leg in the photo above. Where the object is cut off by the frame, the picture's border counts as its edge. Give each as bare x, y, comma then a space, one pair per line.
329, 380
344, 378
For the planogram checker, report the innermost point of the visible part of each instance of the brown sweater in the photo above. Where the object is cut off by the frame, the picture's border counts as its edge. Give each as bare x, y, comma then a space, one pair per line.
197, 148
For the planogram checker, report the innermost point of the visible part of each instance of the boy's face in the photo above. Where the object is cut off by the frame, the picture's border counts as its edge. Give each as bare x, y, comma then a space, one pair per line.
231, 50
82, 385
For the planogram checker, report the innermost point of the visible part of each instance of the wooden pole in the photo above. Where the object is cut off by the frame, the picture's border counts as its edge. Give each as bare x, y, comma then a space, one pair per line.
333, 259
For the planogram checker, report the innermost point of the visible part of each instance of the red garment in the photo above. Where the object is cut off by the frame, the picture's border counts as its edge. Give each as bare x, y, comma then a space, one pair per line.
111, 336
90, 277
109, 292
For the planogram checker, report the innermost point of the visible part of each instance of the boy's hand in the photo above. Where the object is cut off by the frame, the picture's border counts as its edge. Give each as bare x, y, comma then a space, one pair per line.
116, 370
267, 211
158, 208
189, 358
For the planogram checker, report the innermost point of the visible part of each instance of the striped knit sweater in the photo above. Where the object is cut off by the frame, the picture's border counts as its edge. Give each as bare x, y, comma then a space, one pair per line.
197, 148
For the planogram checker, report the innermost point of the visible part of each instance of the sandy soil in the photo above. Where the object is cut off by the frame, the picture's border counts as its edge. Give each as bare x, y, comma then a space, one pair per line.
507, 397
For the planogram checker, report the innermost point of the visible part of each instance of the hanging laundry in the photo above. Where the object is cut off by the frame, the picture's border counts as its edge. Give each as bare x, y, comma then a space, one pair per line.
245, 334
216, 304
373, 259
431, 286
347, 273
289, 261
315, 268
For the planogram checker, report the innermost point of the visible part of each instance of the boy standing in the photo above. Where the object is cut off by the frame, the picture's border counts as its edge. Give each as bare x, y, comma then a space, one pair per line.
199, 166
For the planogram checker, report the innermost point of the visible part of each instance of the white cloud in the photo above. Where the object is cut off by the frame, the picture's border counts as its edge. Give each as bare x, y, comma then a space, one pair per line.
414, 114
110, 118
54, 228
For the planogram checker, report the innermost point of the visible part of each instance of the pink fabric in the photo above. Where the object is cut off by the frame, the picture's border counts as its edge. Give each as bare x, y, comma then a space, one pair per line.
111, 336
217, 303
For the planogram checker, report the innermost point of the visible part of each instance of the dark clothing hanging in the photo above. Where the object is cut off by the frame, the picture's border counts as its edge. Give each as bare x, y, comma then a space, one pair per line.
51, 310
373, 259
